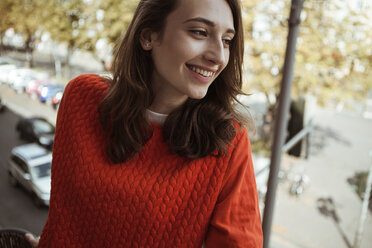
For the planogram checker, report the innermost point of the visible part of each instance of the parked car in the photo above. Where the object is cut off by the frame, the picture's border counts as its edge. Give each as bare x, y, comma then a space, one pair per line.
6, 65
29, 166
49, 91
57, 99
34, 87
16, 73
24, 76
36, 129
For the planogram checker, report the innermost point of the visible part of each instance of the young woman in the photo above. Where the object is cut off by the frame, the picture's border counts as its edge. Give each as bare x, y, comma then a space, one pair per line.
158, 156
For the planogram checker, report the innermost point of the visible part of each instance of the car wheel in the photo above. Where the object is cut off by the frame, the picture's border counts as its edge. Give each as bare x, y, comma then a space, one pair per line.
12, 180
38, 203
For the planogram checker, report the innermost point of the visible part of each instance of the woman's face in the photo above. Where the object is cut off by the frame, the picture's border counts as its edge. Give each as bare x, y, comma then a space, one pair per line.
192, 49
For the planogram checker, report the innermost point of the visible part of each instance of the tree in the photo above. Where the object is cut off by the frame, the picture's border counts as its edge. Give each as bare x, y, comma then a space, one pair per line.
67, 24
109, 20
81, 24
5, 21
25, 17
337, 71
333, 58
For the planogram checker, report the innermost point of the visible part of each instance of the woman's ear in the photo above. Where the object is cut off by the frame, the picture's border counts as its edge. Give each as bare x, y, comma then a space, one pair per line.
145, 39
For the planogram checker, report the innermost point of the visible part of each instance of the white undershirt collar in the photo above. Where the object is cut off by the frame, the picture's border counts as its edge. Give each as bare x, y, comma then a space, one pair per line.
156, 118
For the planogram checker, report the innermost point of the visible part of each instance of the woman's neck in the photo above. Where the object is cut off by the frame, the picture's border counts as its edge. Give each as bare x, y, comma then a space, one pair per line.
166, 97
165, 104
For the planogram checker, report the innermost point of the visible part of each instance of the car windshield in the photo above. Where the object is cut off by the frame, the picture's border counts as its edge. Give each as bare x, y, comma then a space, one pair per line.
42, 170
43, 127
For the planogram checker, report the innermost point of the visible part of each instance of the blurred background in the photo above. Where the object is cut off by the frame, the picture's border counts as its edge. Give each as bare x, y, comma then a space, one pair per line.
323, 177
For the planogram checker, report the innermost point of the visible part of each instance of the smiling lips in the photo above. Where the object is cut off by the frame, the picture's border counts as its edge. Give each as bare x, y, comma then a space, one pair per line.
202, 72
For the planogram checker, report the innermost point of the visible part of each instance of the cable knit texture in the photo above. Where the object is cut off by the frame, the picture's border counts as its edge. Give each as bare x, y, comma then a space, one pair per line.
158, 199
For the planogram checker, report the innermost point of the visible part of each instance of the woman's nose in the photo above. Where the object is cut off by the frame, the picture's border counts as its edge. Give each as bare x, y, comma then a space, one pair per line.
216, 52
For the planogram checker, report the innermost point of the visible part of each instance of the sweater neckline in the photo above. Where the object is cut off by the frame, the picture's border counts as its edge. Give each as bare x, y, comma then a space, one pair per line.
156, 118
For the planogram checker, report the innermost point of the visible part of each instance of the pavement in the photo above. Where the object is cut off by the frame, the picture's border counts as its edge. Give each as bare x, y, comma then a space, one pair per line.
327, 213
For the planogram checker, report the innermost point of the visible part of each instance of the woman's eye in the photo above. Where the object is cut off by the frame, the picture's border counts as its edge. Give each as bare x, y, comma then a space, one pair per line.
227, 42
199, 32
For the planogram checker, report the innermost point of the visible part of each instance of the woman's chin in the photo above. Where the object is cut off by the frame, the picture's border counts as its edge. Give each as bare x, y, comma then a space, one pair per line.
197, 95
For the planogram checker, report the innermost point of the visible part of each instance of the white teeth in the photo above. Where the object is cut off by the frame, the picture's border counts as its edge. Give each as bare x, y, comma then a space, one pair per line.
201, 72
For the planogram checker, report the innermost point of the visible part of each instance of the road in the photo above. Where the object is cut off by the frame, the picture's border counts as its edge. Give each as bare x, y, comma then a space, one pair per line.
16, 207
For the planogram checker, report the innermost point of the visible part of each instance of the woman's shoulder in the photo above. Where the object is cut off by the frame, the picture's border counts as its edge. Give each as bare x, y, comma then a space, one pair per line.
81, 99
86, 87
241, 132
89, 82
83, 93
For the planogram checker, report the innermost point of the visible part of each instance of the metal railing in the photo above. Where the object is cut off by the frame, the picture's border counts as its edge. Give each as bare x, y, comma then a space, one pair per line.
305, 133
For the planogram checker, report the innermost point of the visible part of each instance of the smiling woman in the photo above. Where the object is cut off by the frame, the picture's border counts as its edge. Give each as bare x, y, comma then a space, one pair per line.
191, 51
190, 61
158, 156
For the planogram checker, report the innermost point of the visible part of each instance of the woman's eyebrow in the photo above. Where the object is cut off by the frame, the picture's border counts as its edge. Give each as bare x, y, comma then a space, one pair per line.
207, 22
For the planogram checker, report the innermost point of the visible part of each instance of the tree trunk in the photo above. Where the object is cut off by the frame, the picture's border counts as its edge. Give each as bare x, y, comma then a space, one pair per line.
70, 51
30, 57
1, 42
29, 51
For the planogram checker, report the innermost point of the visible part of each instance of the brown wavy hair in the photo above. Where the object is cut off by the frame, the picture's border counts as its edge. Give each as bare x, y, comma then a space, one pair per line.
194, 130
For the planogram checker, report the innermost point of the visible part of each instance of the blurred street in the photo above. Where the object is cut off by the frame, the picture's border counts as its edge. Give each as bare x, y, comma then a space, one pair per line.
16, 206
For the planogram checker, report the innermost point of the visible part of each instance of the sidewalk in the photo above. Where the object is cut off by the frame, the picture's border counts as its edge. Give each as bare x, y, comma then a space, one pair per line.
327, 213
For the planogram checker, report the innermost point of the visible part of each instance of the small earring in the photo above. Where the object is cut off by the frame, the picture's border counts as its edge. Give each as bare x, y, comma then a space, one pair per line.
147, 45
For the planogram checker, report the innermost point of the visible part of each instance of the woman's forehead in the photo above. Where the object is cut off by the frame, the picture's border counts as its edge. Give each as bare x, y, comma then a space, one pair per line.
218, 12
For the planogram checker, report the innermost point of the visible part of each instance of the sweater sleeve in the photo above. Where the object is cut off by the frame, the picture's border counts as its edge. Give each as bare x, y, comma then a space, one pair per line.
236, 220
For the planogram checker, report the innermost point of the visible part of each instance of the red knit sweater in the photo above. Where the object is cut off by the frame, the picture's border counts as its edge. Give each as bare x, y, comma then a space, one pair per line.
158, 199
